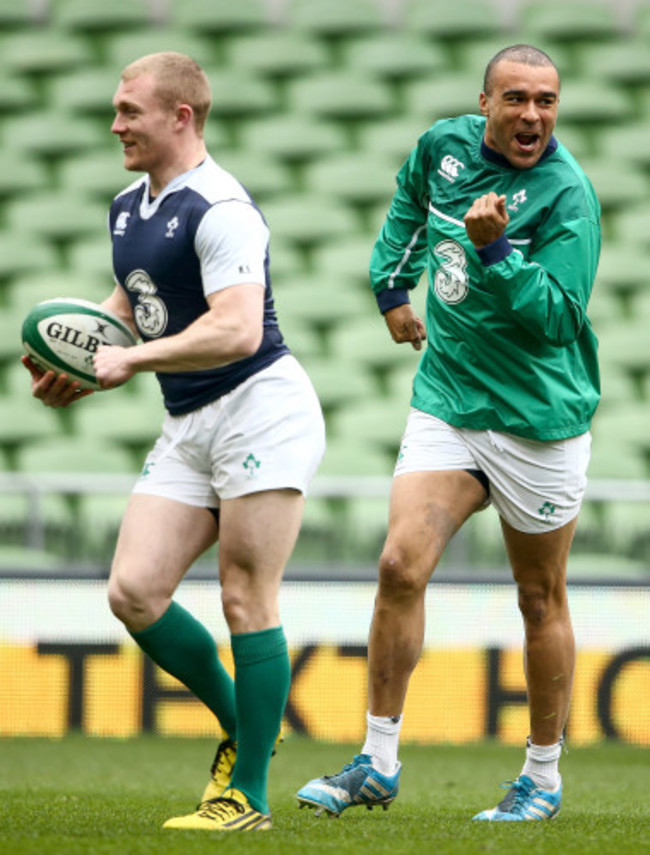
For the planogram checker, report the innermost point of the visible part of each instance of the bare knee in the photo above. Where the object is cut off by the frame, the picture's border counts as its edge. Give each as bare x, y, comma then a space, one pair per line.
400, 580
540, 604
133, 604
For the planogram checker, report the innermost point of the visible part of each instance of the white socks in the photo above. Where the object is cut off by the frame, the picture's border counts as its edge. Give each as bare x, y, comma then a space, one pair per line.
542, 764
382, 742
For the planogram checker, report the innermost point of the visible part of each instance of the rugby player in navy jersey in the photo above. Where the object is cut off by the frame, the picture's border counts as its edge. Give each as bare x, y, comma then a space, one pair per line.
509, 227
242, 436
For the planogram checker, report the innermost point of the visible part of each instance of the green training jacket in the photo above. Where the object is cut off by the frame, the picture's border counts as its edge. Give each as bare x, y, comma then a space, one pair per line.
509, 344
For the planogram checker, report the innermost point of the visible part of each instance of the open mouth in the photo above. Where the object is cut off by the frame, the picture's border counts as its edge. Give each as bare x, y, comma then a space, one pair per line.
527, 141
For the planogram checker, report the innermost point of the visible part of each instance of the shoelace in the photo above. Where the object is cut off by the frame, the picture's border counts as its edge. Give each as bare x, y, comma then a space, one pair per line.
221, 807
515, 801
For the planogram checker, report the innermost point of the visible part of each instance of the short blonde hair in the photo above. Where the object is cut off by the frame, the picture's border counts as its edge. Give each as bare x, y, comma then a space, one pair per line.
179, 80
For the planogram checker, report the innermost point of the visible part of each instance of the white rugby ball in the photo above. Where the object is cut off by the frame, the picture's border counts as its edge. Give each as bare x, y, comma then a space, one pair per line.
63, 335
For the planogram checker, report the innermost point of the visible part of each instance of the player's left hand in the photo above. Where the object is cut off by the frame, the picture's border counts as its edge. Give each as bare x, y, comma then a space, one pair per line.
112, 366
487, 219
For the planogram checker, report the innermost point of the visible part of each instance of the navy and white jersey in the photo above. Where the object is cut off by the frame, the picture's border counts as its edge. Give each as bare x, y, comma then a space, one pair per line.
202, 234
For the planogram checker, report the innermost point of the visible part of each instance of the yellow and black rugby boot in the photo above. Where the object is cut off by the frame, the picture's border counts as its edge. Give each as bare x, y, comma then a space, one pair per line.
229, 812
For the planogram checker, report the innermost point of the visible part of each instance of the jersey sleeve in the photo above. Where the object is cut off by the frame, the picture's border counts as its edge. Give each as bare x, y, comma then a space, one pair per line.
399, 255
548, 293
232, 245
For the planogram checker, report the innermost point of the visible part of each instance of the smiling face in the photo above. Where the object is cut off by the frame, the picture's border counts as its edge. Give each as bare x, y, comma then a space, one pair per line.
521, 110
145, 127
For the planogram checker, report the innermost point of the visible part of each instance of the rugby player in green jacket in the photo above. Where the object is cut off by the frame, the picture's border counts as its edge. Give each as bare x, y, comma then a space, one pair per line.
508, 228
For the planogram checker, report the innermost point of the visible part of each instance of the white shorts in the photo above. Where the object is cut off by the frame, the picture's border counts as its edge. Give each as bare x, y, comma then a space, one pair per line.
535, 486
267, 434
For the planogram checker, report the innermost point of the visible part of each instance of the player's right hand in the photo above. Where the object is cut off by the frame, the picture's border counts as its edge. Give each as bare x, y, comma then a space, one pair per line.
54, 390
405, 326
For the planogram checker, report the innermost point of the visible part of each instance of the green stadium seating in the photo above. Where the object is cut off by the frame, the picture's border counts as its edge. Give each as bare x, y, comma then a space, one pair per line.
588, 101
395, 56
346, 258
340, 95
88, 92
452, 94
239, 95
627, 144
307, 221
28, 559
354, 177
121, 419
617, 184
569, 22
94, 174
59, 217
44, 52
102, 18
17, 95
292, 137
339, 381
124, 47
335, 19
376, 422
19, 175
319, 300
623, 269
453, 22
26, 420
277, 54
219, 18
51, 133
263, 176
625, 62
366, 339
22, 252
27, 290
78, 454
393, 138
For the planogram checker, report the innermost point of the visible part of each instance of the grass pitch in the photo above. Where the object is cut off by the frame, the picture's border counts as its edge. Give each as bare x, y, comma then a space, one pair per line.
82, 795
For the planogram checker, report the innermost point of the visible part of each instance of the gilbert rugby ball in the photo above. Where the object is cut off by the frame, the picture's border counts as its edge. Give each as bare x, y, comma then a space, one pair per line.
63, 334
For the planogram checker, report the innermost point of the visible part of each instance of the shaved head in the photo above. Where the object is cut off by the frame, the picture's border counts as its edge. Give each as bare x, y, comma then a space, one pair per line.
523, 54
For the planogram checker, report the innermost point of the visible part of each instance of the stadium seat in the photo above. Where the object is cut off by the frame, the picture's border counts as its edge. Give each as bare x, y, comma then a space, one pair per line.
606, 308
319, 300
625, 62
569, 22
239, 95
124, 47
394, 57
588, 101
24, 252
378, 422
57, 216
50, 134
219, 18
366, 339
335, 19
263, 176
444, 96
355, 177
121, 419
17, 95
453, 22
293, 138
346, 258
339, 381
102, 18
86, 93
340, 95
96, 174
630, 225
42, 52
308, 221
27, 559
31, 288
623, 269
473, 55
26, 420
393, 138
626, 143
626, 346
277, 54
76, 454
18, 16
19, 175
347, 456
618, 183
